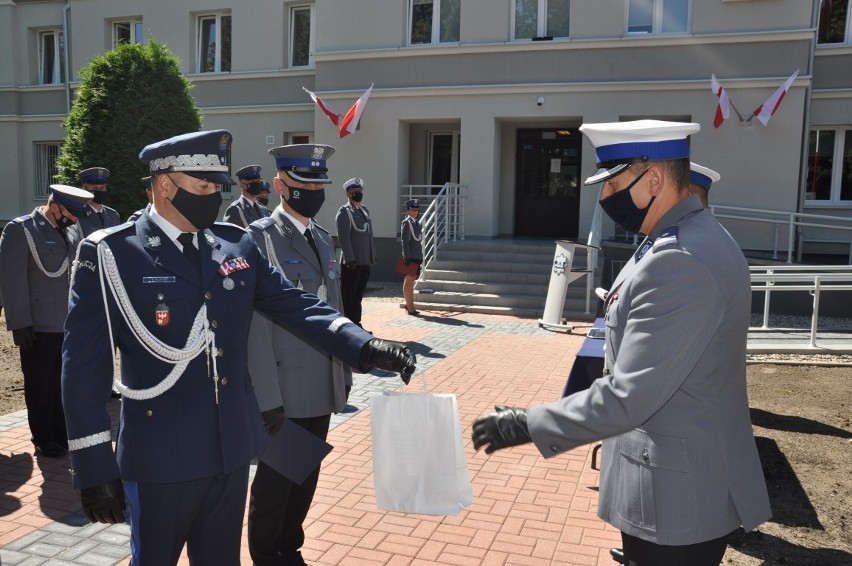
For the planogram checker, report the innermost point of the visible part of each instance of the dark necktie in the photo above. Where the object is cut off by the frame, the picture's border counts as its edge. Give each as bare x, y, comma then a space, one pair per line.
257, 210
313, 244
189, 249
101, 219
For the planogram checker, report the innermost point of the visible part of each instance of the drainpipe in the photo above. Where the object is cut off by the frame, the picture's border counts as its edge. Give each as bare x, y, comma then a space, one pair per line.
806, 127
67, 57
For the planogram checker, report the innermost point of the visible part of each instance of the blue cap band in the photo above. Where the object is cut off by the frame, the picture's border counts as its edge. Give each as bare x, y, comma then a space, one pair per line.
67, 201
296, 162
654, 151
702, 181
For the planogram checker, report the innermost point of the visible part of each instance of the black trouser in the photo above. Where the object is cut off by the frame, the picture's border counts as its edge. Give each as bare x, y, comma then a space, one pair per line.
278, 507
353, 282
42, 369
205, 514
638, 552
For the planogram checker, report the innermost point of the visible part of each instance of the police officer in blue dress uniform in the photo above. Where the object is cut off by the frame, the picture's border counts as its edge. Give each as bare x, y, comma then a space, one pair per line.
94, 180
178, 296
680, 467
358, 249
700, 180
246, 209
36, 252
286, 371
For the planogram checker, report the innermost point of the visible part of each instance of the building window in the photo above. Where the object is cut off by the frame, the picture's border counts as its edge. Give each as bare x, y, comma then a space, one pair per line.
434, 21
127, 32
301, 36
51, 57
834, 22
541, 18
658, 16
829, 179
46, 154
298, 137
214, 43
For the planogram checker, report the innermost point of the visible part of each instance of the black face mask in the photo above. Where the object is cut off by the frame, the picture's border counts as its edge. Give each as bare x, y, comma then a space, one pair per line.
357, 197
200, 210
63, 222
305, 202
100, 197
263, 200
620, 207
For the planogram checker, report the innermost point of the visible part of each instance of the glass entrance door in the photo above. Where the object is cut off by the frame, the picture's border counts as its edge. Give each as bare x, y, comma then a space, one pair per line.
547, 183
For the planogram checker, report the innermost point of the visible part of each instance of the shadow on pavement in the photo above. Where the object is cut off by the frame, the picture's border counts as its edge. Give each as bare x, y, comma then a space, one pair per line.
774, 550
790, 504
15, 471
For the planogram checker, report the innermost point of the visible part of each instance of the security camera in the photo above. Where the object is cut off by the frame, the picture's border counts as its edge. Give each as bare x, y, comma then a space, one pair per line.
539, 101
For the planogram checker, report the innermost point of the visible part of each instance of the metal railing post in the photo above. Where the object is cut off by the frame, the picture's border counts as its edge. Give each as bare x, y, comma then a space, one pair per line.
815, 314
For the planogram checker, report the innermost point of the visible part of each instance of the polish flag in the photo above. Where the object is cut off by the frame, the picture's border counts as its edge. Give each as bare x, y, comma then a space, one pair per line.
332, 114
349, 123
766, 110
723, 109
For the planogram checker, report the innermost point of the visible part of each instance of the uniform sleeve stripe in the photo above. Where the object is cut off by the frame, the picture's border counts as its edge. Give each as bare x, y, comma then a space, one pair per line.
91, 440
337, 323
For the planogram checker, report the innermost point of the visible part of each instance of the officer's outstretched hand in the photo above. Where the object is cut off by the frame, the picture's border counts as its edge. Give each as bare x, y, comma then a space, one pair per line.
104, 503
24, 338
273, 419
391, 356
507, 427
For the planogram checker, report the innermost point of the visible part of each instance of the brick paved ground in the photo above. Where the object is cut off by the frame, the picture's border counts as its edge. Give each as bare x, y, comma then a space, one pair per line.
526, 510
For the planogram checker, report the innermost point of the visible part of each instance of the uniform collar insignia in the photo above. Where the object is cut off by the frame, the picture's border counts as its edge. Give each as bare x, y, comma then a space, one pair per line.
643, 249
154, 241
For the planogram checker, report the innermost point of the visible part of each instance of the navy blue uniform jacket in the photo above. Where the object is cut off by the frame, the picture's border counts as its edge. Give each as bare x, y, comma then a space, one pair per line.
182, 434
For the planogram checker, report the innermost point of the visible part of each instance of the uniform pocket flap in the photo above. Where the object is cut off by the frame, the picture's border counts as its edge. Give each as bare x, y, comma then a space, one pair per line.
655, 450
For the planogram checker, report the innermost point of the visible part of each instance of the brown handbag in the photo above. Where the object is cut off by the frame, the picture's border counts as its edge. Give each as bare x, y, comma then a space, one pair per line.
410, 269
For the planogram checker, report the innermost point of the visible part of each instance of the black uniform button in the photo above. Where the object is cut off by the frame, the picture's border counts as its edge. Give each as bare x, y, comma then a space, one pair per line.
554, 448
150, 413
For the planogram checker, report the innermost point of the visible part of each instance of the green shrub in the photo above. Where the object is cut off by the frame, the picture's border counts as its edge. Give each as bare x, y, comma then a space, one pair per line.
129, 97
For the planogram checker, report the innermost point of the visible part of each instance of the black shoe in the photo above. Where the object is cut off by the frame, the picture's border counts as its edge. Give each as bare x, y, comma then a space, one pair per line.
50, 450
617, 555
412, 312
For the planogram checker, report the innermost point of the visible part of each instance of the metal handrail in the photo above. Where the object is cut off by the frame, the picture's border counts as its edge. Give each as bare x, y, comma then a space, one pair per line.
793, 221
443, 218
768, 279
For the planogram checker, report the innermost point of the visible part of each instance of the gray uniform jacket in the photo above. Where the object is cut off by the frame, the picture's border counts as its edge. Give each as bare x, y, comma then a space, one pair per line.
679, 463
107, 218
243, 212
355, 234
30, 296
411, 235
286, 370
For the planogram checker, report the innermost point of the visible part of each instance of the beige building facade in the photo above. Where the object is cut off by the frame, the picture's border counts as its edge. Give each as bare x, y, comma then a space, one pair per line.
485, 93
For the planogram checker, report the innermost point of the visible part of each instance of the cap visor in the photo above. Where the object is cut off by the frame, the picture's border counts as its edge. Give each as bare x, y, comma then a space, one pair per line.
603, 174
321, 178
212, 176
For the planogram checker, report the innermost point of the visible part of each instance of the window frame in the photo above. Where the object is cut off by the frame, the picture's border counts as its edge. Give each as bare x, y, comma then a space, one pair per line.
657, 18
58, 63
217, 17
841, 133
435, 30
311, 35
541, 22
134, 28
45, 169
847, 32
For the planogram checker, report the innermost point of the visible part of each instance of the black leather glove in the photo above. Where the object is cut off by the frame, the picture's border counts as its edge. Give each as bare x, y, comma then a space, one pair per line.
507, 427
352, 265
104, 503
273, 419
24, 338
392, 356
